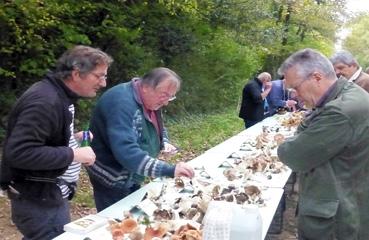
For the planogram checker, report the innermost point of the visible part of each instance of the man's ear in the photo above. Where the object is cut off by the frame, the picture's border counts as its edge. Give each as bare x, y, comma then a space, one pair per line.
75, 74
317, 76
145, 88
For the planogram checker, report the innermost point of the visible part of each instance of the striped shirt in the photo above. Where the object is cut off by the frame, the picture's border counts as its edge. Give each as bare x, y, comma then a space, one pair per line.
71, 175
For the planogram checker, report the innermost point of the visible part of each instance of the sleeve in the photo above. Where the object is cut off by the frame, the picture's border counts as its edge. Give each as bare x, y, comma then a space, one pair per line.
165, 135
324, 138
364, 83
122, 135
275, 97
255, 93
163, 129
26, 146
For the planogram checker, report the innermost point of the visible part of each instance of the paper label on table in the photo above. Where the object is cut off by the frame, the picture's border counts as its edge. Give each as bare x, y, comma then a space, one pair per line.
85, 224
147, 206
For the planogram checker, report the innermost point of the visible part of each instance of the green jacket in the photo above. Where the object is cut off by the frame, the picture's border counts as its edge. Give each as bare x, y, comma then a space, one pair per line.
330, 151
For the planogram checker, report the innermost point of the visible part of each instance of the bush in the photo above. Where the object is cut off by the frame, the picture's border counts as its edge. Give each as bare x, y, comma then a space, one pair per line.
214, 74
7, 98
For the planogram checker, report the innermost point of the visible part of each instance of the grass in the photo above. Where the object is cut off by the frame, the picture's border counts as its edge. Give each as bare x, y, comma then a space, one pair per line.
194, 134
198, 133
84, 195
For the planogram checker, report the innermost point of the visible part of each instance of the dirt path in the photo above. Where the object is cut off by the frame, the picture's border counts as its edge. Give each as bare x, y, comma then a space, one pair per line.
8, 231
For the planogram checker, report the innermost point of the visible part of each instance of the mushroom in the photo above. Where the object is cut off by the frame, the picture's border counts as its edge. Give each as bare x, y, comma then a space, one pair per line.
252, 191
162, 214
158, 231
128, 225
230, 174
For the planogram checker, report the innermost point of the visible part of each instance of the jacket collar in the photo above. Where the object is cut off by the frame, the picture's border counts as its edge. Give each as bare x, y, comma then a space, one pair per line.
332, 92
136, 90
258, 81
62, 88
356, 75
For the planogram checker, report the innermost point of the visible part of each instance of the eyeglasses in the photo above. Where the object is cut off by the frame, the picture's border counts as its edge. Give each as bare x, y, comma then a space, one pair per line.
167, 96
295, 88
100, 77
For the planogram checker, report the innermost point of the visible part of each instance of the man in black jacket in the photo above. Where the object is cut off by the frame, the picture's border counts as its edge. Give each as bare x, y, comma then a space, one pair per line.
37, 149
253, 99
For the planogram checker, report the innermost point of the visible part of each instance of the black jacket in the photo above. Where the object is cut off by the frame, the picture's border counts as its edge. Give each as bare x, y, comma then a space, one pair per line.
252, 105
36, 144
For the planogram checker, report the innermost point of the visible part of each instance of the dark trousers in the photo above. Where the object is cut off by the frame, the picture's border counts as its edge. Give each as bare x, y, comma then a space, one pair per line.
105, 196
250, 123
37, 221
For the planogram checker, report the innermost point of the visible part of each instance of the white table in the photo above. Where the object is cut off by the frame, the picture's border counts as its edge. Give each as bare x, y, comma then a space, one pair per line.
211, 159
117, 209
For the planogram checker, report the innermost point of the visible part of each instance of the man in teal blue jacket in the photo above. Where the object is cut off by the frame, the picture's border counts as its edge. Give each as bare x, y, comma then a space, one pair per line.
129, 134
330, 150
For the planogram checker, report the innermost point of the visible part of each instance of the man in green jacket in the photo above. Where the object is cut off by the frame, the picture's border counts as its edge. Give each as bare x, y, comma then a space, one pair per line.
330, 150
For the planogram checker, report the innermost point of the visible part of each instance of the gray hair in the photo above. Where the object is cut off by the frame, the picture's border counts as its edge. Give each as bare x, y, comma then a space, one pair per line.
264, 76
157, 75
80, 57
307, 62
344, 57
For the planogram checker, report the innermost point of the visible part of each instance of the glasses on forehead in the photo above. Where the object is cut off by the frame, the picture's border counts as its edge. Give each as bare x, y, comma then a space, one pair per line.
102, 77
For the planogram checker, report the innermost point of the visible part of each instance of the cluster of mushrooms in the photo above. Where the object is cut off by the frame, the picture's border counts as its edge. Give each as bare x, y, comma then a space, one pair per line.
293, 120
187, 200
129, 228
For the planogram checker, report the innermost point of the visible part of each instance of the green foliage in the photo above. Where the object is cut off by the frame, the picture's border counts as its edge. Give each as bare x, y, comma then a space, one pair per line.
83, 113
7, 99
358, 40
214, 74
215, 46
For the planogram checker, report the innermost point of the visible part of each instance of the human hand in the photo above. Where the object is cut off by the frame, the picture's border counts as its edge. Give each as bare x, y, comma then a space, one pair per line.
84, 155
184, 170
79, 135
169, 148
267, 86
291, 103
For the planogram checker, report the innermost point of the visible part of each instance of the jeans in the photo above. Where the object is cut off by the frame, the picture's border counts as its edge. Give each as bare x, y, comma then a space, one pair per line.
105, 197
37, 221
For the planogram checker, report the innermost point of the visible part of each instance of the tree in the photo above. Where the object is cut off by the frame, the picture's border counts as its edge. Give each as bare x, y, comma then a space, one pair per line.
357, 41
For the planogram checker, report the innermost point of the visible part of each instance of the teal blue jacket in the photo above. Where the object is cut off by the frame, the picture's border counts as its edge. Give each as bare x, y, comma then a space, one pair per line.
330, 151
125, 142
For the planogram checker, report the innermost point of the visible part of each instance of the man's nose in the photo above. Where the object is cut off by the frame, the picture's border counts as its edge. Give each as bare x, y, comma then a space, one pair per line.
103, 83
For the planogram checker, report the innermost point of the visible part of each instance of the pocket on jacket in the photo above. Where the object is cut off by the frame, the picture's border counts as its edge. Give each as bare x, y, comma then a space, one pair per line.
106, 176
323, 208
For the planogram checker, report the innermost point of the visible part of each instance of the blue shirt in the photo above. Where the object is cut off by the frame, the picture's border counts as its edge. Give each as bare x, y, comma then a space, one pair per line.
277, 96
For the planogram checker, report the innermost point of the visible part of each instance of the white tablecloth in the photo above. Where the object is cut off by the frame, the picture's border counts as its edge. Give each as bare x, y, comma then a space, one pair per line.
211, 159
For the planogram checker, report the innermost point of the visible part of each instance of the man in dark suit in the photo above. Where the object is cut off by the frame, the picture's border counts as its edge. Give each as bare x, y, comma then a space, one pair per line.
253, 99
